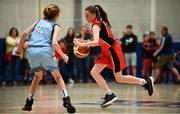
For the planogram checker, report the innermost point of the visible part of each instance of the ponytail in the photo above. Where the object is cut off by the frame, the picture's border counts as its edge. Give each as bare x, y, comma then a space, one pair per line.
100, 13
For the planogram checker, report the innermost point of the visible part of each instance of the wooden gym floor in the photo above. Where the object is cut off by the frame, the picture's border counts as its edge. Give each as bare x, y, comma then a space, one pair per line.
87, 98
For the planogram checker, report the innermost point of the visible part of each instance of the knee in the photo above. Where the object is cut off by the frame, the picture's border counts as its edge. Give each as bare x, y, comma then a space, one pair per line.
56, 76
119, 77
94, 73
38, 77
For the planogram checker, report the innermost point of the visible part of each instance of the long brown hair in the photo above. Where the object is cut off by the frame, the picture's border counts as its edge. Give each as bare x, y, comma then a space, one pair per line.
100, 13
51, 11
11, 30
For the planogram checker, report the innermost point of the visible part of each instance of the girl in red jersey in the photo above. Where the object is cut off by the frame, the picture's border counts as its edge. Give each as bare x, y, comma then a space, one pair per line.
111, 55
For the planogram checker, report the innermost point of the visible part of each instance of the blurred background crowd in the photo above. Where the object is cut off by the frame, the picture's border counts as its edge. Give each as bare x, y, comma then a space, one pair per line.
158, 56
148, 31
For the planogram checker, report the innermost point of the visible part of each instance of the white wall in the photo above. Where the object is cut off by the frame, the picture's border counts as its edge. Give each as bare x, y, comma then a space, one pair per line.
66, 14
17, 13
137, 13
168, 13
22, 13
123, 12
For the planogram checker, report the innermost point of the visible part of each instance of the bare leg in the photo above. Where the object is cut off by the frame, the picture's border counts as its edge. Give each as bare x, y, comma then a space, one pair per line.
61, 86
157, 74
95, 72
128, 79
174, 71
58, 78
109, 96
34, 85
37, 78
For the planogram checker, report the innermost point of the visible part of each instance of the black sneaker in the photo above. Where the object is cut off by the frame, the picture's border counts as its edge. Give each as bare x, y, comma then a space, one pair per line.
28, 105
108, 100
67, 104
149, 86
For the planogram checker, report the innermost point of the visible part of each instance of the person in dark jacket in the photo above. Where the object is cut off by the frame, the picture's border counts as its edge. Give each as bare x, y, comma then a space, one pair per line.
165, 55
128, 44
70, 66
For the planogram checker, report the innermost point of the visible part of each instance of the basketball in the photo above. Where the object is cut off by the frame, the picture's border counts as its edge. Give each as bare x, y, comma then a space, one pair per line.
81, 52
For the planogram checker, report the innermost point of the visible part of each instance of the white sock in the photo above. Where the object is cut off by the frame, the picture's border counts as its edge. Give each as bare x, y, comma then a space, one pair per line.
142, 82
109, 92
30, 96
64, 93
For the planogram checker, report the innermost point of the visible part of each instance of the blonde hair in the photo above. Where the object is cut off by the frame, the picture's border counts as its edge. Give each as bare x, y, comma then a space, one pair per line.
51, 11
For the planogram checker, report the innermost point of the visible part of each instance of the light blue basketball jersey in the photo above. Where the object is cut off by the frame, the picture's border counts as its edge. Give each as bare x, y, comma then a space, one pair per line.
42, 34
40, 51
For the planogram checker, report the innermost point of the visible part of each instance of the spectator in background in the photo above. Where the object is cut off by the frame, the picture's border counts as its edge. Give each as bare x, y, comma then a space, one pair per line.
62, 65
177, 60
128, 44
87, 63
165, 55
24, 67
69, 43
11, 58
149, 46
124, 32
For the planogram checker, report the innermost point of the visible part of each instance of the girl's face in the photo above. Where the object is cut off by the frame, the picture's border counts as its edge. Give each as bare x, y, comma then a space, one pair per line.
90, 17
14, 33
71, 32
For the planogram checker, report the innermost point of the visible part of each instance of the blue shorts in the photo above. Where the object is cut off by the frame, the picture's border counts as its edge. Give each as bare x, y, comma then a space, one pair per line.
41, 57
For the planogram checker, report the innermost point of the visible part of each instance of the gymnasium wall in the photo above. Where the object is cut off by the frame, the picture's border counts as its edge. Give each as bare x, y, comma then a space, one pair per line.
168, 13
123, 12
137, 13
22, 13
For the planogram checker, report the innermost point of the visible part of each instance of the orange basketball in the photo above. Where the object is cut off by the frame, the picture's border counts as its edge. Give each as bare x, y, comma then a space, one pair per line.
81, 52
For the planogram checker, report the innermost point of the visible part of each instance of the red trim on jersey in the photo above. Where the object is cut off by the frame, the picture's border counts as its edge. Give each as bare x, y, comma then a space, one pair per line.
111, 54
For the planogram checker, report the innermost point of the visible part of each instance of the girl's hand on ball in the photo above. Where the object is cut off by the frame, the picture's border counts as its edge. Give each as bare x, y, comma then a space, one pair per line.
77, 42
65, 58
18, 52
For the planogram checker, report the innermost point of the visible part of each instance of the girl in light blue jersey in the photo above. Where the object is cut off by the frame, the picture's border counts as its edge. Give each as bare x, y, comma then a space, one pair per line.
41, 45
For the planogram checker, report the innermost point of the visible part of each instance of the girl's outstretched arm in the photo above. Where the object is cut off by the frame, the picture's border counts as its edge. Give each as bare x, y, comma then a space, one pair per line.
23, 38
55, 44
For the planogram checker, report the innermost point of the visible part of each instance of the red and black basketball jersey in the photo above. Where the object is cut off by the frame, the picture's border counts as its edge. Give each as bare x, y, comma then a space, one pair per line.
106, 37
111, 54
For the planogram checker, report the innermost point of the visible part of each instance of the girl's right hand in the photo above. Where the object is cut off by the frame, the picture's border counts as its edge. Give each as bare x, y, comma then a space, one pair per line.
65, 58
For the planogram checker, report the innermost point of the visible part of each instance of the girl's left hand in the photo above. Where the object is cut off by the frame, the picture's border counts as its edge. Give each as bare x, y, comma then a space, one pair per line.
77, 42
18, 52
